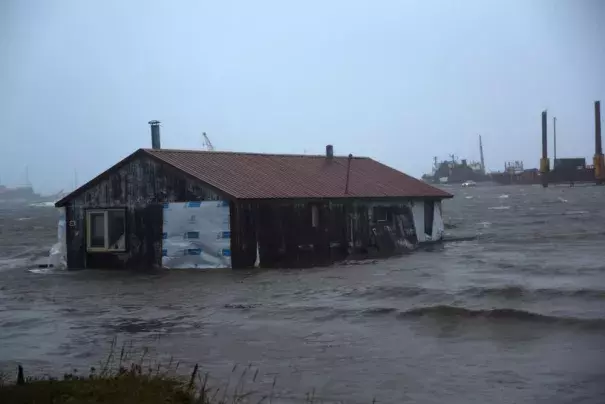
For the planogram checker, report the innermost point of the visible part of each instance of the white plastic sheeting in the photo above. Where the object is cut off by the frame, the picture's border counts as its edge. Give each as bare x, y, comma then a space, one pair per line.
438, 227
196, 235
56, 258
418, 214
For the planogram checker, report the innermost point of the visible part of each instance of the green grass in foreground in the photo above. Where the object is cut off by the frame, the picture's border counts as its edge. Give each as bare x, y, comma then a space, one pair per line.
137, 383
118, 390
125, 386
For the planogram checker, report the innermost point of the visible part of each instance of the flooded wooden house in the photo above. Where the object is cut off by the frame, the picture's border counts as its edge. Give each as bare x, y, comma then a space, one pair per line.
208, 209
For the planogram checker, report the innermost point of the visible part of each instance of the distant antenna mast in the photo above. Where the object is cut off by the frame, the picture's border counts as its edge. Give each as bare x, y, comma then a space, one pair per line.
481, 153
348, 173
554, 128
207, 143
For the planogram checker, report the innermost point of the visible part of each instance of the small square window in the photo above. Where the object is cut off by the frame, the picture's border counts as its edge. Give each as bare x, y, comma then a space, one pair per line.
382, 214
106, 230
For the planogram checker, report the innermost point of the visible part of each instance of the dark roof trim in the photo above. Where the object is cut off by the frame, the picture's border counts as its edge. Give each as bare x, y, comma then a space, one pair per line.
137, 154
346, 199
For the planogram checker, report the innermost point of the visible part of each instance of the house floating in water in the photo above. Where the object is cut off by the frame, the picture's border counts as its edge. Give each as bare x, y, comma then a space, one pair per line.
210, 209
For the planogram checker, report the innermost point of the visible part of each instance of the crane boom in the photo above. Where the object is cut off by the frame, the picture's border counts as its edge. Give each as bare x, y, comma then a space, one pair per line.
207, 142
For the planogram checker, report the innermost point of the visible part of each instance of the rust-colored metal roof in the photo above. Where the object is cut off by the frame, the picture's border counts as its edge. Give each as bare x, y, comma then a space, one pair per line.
280, 176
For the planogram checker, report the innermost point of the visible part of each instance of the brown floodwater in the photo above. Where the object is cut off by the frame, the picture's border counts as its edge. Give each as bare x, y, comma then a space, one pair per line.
516, 316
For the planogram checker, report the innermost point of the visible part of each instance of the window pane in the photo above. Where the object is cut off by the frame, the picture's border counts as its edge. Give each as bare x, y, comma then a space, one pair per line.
380, 214
117, 229
97, 230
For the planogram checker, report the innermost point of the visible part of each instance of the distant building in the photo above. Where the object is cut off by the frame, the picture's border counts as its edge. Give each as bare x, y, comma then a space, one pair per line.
205, 209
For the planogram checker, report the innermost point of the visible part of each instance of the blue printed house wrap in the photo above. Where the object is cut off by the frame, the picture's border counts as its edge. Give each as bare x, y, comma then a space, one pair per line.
196, 235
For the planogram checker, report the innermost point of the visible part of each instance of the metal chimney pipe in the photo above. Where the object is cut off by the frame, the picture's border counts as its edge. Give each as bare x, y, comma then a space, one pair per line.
348, 173
329, 151
155, 134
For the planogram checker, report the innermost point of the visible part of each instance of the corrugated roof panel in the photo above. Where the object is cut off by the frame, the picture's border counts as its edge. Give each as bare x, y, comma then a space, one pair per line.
268, 176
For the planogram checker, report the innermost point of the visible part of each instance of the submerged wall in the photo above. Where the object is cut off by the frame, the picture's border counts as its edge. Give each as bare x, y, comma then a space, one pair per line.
305, 234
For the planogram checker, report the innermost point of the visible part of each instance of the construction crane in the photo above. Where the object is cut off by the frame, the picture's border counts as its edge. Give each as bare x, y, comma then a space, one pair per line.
207, 143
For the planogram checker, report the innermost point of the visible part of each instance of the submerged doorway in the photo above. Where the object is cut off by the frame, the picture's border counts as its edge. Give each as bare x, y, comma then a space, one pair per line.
429, 217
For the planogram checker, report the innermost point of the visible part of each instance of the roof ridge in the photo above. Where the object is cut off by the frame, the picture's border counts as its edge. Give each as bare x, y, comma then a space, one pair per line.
248, 153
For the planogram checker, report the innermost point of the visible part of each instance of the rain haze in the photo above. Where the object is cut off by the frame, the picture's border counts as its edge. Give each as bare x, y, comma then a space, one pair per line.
400, 81
323, 274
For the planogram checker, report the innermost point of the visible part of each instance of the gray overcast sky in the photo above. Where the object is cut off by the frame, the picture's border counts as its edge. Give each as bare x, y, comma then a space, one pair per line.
400, 81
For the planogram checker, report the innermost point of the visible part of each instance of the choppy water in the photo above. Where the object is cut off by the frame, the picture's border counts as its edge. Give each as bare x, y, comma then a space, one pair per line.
517, 316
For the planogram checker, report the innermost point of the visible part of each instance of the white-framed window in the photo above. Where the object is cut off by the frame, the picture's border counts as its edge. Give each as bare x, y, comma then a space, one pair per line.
106, 230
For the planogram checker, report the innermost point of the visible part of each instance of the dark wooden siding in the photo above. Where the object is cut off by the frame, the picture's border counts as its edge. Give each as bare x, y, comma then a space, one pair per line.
286, 237
141, 187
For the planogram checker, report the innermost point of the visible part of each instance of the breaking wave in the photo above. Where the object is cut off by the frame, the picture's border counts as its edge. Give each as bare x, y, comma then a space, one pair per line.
388, 291
513, 291
440, 312
504, 291
454, 312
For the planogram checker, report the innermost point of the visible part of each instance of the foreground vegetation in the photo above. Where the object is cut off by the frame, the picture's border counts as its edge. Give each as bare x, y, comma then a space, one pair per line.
121, 380
127, 387
132, 386
135, 383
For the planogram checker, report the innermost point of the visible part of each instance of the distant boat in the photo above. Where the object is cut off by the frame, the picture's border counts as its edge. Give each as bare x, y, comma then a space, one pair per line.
25, 194
455, 172
469, 184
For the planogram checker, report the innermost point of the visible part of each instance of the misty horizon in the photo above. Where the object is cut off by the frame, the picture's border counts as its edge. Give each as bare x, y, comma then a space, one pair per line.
400, 82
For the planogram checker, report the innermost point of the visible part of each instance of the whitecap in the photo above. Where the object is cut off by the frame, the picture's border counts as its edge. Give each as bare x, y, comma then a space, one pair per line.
576, 212
42, 271
503, 196
499, 207
42, 204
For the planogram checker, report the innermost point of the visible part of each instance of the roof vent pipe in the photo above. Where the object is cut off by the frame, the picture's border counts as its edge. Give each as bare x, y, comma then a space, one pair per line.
348, 173
155, 134
329, 151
